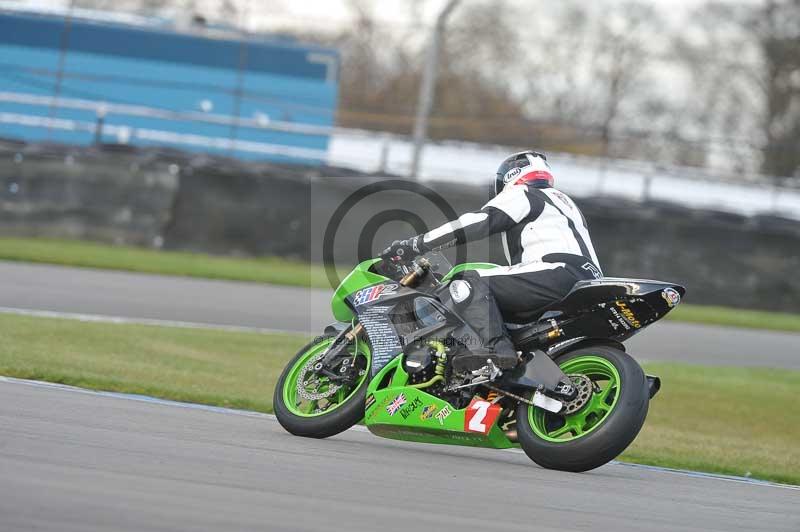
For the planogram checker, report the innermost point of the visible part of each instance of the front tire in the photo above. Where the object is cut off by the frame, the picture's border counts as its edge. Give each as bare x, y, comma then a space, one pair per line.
606, 419
323, 417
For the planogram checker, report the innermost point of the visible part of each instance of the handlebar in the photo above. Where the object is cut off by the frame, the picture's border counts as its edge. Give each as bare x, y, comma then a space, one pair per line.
400, 270
419, 267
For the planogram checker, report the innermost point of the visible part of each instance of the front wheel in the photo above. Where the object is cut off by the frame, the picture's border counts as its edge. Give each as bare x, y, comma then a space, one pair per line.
599, 423
310, 405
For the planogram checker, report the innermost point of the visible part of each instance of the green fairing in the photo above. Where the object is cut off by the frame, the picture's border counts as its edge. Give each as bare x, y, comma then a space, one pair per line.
469, 266
357, 279
421, 409
420, 423
361, 277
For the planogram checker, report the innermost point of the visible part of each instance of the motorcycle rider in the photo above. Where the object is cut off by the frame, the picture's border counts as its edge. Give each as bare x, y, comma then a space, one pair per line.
547, 245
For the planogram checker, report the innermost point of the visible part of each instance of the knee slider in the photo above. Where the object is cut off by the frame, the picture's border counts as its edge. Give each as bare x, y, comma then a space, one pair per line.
460, 292
466, 286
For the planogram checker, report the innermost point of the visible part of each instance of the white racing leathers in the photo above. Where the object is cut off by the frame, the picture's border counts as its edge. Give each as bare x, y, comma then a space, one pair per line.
547, 244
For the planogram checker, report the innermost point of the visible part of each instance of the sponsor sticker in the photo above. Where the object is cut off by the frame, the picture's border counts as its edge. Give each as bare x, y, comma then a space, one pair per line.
379, 408
395, 405
671, 296
622, 321
443, 414
564, 199
427, 412
511, 174
628, 314
372, 293
411, 407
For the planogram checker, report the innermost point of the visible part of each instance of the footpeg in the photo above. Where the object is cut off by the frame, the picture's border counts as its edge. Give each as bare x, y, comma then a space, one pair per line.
487, 373
490, 371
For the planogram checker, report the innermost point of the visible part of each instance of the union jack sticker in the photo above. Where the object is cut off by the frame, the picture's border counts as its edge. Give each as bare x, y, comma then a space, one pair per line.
395, 405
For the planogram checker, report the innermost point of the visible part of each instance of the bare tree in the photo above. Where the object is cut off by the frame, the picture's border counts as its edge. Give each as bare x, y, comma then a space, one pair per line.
724, 99
147, 7
595, 78
381, 68
228, 12
620, 60
779, 38
745, 71
587, 72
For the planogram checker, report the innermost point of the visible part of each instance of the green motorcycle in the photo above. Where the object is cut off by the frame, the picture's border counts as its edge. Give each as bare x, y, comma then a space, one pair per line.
575, 401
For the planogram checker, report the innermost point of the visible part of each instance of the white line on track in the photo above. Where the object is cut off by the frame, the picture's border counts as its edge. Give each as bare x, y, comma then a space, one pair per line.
102, 318
361, 428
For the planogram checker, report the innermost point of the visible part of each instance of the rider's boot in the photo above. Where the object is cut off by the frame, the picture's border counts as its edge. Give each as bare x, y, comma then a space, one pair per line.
479, 309
501, 353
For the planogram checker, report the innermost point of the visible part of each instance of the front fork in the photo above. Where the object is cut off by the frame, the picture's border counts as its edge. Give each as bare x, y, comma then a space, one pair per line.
338, 364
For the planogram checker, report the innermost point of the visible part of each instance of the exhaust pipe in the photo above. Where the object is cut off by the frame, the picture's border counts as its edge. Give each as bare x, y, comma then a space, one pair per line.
653, 385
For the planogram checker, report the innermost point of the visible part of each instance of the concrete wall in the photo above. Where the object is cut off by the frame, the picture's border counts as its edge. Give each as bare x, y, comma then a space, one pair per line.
222, 206
122, 198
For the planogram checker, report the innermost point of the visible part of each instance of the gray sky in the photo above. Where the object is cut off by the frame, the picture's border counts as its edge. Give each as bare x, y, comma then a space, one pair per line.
333, 14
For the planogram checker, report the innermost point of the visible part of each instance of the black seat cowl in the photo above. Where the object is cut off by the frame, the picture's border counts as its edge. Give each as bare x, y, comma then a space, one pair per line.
587, 293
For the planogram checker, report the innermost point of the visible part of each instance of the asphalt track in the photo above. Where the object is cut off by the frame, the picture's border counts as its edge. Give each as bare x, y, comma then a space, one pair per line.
131, 295
76, 461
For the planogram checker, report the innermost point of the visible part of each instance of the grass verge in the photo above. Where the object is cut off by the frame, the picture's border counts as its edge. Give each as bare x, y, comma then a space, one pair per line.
723, 420
236, 370
93, 255
736, 421
286, 272
741, 318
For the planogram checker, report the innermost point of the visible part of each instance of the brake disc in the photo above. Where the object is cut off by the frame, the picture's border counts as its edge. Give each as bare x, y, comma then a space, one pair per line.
304, 380
585, 388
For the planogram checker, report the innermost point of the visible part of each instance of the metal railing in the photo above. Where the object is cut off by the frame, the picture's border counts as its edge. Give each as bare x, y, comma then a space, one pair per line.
104, 109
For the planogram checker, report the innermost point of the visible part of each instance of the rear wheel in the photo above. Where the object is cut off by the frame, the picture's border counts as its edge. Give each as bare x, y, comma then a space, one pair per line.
599, 424
307, 404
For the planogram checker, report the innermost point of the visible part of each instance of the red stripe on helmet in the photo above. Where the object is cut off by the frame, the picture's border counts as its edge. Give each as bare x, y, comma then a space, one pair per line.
535, 175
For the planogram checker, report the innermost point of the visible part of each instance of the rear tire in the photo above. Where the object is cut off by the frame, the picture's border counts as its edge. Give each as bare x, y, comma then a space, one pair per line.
322, 425
602, 428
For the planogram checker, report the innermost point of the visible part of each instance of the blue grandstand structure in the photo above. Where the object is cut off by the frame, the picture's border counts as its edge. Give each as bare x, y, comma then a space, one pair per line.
79, 79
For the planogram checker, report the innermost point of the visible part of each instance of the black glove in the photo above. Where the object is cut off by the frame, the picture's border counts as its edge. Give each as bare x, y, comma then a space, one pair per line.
404, 250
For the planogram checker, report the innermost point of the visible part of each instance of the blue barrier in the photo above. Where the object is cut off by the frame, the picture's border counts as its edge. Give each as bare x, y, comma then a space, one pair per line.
248, 79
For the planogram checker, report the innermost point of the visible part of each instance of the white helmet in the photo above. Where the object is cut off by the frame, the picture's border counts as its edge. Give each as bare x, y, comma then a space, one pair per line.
524, 168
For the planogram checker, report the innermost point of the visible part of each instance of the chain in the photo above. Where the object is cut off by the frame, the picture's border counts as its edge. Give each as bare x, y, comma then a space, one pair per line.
569, 408
509, 394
